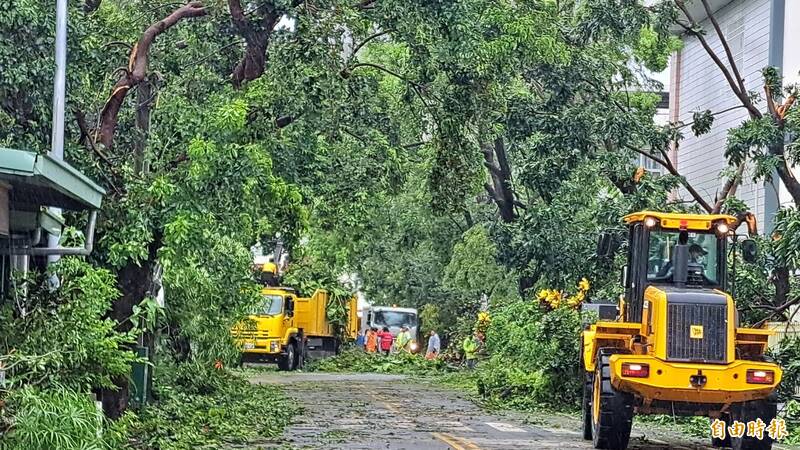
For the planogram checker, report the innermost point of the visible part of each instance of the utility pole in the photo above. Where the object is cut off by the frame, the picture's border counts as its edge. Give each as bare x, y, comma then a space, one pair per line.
59, 100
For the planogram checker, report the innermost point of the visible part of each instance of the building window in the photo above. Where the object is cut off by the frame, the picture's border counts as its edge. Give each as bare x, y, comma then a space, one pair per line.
652, 167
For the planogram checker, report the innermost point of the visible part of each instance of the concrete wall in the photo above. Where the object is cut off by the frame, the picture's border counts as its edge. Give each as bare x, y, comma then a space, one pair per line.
746, 24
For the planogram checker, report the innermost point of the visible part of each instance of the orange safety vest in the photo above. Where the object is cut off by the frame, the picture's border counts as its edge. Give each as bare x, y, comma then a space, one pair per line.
372, 342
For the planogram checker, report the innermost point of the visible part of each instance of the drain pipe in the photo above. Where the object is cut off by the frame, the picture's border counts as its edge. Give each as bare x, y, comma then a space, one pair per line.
58, 250
74, 251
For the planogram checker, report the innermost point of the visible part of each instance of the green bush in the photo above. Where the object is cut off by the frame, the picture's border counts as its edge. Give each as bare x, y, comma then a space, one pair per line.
63, 337
200, 406
53, 419
534, 355
398, 363
792, 415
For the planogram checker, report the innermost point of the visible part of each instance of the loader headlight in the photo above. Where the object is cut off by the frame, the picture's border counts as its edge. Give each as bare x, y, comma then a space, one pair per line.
273, 346
414, 346
722, 229
650, 222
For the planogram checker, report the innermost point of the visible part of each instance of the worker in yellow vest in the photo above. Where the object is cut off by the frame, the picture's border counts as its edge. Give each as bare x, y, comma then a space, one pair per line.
403, 340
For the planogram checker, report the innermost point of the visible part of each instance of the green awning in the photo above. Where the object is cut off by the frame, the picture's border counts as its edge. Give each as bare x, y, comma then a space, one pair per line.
38, 180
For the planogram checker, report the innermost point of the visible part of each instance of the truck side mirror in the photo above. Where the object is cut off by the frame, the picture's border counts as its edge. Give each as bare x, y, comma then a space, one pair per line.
289, 307
749, 250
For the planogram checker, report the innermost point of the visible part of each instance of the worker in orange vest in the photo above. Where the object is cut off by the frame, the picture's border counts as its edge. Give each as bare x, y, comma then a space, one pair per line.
371, 340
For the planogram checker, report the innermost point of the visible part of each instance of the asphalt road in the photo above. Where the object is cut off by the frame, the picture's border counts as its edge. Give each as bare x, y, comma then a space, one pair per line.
368, 411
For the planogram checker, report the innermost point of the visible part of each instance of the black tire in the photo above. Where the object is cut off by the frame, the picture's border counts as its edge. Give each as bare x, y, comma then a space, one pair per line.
721, 443
588, 380
287, 363
611, 426
750, 411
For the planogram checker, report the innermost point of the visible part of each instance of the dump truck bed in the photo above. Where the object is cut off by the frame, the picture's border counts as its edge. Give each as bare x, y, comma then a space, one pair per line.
310, 314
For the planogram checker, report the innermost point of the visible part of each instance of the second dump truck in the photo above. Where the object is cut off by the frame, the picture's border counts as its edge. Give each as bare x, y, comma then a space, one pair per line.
287, 328
676, 346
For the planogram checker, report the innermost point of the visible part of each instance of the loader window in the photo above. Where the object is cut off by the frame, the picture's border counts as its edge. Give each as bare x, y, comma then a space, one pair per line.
271, 306
703, 250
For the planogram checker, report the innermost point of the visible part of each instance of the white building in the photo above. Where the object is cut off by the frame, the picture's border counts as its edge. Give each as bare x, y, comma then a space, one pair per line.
759, 34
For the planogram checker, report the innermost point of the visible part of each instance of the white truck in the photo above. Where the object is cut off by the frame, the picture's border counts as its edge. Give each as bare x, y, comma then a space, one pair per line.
393, 318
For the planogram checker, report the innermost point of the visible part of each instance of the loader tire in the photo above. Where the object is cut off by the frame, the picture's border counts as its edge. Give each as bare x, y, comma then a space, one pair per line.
750, 411
588, 380
722, 443
612, 410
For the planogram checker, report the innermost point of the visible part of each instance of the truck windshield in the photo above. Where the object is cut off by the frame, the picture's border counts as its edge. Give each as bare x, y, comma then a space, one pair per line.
394, 319
703, 251
272, 305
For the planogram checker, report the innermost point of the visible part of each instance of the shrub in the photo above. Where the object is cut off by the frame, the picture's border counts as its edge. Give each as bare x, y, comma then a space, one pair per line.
534, 355
63, 337
198, 406
53, 418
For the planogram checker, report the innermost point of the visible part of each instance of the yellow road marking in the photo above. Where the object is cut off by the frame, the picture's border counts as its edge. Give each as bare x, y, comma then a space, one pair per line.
448, 441
386, 405
458, 443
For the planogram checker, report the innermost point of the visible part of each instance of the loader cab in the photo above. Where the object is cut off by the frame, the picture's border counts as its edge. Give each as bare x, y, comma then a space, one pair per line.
683, 251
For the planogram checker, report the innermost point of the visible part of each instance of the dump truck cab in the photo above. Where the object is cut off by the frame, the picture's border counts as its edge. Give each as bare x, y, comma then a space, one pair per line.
676, 346
270, 333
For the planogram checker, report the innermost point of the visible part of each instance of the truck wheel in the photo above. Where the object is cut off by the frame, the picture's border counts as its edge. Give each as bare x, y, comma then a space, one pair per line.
750, 411
588, 380
720, 443
612, 410
287, 362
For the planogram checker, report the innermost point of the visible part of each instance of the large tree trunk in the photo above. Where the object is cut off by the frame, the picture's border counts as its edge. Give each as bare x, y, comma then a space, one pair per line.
134, 282
499, 190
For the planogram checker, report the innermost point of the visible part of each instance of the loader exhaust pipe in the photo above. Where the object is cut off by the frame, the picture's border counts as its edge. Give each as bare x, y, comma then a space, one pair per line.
680, 265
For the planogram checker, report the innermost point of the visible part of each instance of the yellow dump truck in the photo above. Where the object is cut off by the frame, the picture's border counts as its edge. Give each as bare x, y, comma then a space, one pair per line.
676, 346
287, 329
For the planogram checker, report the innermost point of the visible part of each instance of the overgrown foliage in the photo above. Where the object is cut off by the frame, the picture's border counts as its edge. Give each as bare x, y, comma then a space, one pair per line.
57, 417
357, 360
63, 337
198, 406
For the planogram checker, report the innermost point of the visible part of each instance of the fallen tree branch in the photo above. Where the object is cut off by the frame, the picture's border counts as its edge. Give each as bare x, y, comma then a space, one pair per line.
137, 68
776, 310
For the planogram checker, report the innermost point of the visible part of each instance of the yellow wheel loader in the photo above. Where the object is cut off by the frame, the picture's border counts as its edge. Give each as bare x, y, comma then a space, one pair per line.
675, 346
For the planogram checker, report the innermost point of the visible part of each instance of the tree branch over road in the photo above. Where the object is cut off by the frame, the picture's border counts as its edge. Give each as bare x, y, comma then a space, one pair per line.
136, 72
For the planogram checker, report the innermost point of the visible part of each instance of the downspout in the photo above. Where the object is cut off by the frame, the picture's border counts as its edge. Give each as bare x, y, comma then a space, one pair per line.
58, 250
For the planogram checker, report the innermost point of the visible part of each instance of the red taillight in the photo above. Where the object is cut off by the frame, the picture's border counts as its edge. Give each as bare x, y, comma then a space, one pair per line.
757, 376
683, 224
635, 370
